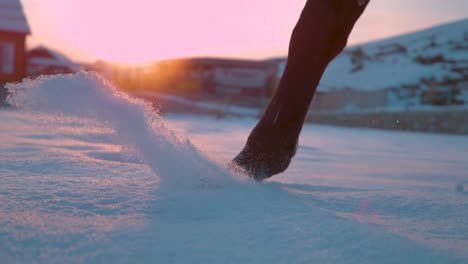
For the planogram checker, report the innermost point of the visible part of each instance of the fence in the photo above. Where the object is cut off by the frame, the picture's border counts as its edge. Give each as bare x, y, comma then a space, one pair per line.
436, 121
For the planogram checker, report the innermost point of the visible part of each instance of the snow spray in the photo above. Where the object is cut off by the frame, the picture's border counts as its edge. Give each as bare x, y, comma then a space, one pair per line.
87, 95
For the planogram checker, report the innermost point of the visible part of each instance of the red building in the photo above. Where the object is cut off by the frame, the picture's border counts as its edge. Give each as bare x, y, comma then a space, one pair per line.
13, 31
45, 61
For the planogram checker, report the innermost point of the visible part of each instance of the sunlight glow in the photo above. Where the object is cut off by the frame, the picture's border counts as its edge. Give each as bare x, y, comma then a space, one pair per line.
147, 30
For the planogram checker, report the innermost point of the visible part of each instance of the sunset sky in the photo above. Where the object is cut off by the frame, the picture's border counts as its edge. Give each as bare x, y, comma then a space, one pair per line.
146, 30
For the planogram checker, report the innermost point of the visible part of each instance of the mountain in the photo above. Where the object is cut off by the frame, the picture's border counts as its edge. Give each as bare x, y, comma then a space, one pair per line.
439, 52
408, 65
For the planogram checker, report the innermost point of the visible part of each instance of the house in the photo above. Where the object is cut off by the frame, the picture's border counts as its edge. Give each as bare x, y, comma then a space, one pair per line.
13, 31
216, 76
348, 99
45, 61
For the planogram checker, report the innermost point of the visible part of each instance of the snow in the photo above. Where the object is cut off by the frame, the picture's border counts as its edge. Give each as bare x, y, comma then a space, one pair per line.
12, 17
394, 70
384, 74
90, 175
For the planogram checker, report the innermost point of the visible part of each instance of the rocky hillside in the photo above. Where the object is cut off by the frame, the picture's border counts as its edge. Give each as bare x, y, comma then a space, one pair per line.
409, 65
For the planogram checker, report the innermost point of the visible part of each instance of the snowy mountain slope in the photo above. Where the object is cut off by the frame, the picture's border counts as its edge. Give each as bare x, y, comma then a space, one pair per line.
440, 52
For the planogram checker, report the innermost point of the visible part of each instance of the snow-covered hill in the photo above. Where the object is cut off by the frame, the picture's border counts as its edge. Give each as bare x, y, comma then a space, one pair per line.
440, 53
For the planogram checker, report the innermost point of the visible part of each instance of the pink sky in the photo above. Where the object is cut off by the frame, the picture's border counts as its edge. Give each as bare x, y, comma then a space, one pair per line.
146, 30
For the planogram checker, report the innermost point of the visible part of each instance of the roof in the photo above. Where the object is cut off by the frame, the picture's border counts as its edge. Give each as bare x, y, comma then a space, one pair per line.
45, 56
12, 18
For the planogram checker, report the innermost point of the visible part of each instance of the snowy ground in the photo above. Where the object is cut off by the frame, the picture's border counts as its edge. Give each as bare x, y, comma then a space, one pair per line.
88, 175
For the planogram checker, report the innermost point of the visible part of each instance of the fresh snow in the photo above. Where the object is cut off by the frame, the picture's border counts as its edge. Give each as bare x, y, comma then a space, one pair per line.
90, 175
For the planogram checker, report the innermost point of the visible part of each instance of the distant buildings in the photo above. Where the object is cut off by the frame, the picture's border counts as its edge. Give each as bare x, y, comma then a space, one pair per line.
215, 76
230, 76
45, 61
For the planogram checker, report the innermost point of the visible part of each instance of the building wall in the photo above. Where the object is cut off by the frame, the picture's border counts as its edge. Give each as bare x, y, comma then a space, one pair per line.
349, 99
241, 77
233, 77
12, 48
